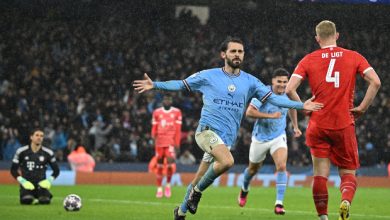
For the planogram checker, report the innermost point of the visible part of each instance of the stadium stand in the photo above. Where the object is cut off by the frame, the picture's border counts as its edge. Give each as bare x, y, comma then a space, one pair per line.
70, 71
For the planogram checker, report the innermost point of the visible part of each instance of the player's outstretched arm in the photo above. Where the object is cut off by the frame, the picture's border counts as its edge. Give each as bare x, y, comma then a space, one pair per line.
374, 83
254, 113
309, 105
284, 102
147, 84
143, 85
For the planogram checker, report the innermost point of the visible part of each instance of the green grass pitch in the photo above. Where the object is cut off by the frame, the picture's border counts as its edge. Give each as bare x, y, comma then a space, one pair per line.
139, 202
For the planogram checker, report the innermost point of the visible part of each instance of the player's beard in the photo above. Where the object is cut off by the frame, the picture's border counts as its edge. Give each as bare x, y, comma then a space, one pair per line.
234, 63
280, 90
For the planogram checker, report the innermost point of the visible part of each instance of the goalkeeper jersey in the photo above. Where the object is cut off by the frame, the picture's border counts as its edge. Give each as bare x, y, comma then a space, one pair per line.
33, 165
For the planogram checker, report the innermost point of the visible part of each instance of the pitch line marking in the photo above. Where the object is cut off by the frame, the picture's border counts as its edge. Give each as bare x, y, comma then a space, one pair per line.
212, 206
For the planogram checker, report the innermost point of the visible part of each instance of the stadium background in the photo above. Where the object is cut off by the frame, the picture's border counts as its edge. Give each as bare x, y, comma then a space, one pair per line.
67, 66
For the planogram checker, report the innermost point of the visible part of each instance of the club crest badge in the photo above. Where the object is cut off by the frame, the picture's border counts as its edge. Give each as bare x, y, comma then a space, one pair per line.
41, 158
231, 88
213, 139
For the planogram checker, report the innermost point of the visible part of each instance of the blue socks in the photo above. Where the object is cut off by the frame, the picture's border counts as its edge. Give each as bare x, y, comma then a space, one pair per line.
183, 206
281, 185
204, 182
207, 179
247, 180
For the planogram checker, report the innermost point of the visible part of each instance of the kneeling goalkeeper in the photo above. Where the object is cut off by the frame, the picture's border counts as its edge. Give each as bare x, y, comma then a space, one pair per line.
32, 161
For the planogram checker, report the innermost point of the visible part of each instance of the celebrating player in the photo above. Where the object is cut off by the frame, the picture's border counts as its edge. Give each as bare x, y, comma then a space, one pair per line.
331, 72
33, 160
226, 93
166, 130
269, 135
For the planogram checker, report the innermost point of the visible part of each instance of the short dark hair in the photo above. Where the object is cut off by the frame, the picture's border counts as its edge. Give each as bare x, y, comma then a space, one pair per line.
280, 72
35, 130
225, 43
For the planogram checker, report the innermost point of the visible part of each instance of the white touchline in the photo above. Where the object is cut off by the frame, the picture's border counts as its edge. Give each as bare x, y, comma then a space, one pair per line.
210, 206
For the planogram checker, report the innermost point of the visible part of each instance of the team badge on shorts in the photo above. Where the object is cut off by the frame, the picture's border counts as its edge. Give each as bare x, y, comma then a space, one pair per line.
231, 88
213, 139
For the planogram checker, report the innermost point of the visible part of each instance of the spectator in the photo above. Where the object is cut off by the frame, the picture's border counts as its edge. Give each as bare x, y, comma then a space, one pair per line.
186, 158
54, 71
388, 169
81, 161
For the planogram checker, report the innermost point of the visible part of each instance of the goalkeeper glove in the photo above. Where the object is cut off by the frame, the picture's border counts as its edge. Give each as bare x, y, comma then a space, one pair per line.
46, 183
25, 183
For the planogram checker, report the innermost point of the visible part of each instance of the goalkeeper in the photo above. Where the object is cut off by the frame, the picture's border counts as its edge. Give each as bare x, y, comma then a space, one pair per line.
32, 160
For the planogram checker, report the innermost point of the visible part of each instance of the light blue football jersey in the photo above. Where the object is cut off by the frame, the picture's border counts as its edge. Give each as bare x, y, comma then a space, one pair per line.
225, 98
266, 129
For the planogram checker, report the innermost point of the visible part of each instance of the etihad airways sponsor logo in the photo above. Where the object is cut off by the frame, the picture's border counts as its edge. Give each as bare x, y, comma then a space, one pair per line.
228, 103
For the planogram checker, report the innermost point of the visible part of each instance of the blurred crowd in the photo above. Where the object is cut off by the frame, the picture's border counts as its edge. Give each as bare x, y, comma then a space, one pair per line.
72, 77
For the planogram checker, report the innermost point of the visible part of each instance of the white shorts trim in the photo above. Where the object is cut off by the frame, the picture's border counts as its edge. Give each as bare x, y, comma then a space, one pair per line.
258, 149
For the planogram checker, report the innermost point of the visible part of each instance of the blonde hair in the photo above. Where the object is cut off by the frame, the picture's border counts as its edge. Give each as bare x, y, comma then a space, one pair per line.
325, 29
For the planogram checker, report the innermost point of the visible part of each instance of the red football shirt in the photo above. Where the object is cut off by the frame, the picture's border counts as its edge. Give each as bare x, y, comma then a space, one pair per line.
166, 127
331, 72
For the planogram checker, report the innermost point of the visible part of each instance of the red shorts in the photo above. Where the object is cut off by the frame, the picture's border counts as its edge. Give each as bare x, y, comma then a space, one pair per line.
162, 152
340, 146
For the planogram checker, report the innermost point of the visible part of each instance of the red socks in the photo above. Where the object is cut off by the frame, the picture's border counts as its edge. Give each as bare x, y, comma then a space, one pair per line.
159, 174
169, 173
320, 194
320, 191
348, 187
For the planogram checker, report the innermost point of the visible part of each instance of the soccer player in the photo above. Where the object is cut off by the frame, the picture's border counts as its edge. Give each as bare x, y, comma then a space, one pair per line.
331, 72
226, 93
166, 131
269, 135
32, 160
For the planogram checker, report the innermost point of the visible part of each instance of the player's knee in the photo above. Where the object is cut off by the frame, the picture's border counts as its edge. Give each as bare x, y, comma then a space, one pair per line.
26, 200
228, 163
44, 200
281, 167
160, 160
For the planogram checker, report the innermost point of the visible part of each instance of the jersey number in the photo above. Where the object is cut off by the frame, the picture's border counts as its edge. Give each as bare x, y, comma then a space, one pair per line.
333, 79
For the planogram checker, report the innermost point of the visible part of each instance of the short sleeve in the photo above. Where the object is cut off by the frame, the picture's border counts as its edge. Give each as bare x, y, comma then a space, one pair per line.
362, 65
301, 69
